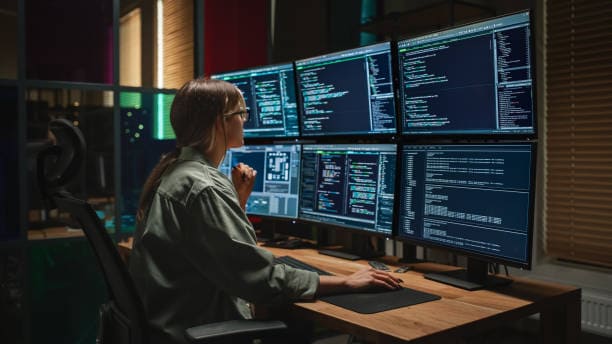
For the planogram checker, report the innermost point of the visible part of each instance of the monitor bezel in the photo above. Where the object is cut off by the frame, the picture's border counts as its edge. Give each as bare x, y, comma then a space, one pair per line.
470, 254
377, 135
289, 64
345, 227
471, 134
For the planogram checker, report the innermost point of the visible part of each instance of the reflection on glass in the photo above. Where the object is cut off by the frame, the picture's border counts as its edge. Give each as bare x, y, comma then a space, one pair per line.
8, 39
146, 134
9, 165
69, 40
156, 45
12, 292
91, 112
67, 288
130, 49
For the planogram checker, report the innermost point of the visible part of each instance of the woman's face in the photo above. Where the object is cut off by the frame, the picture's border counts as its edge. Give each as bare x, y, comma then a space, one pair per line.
233, 125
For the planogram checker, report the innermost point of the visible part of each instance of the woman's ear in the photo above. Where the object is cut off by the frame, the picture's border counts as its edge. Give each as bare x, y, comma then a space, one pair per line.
220, 123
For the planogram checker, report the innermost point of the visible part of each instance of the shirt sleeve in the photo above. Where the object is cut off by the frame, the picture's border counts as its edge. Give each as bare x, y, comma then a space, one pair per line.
220, 243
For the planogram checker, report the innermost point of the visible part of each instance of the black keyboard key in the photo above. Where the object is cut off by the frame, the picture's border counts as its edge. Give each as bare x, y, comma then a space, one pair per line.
403, 269
378, 265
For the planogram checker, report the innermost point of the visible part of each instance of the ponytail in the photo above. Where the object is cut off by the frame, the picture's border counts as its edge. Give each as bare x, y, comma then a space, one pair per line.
193, 114
153, 182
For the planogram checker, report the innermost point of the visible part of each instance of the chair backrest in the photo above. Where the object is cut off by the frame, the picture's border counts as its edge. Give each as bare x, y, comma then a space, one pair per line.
122, 319
60, 163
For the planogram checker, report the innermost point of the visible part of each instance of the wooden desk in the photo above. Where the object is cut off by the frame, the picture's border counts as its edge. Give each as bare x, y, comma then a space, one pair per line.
54, 233
457, 315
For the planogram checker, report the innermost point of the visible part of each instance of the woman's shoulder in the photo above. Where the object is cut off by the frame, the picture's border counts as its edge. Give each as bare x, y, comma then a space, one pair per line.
192, 177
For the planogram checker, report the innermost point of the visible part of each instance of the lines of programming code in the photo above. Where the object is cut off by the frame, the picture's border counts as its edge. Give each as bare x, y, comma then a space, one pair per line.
469, 80
349, 92
362, 185
438, 96
330, 184
349, 186
514, 89
382, 100
469, 197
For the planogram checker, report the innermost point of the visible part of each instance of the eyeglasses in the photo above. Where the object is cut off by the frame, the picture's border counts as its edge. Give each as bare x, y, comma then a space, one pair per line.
244, 114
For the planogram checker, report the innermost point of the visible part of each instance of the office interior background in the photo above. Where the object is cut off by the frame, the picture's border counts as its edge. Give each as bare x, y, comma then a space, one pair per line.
106, 64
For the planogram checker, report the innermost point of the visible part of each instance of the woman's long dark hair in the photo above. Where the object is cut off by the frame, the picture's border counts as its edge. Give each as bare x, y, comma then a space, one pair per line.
193, 114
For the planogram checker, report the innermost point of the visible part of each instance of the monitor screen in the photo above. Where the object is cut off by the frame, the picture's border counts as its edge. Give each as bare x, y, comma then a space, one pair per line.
349, 185
269, 93
275, 192
348, 92
474, 199
474, 79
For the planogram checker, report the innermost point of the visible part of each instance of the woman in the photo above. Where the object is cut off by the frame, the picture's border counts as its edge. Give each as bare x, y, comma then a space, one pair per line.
195, 258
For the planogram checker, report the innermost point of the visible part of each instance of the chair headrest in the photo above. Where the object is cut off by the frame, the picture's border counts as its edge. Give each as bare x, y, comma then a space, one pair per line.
59, 164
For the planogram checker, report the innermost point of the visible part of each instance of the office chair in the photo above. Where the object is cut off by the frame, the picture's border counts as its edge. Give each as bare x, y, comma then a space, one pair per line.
122, 318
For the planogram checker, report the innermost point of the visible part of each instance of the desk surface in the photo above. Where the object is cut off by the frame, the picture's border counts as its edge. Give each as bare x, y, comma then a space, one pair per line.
458, 314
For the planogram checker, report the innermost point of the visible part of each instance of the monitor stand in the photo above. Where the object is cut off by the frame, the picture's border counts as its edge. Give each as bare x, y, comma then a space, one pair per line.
475, 277
409, 255
364, 250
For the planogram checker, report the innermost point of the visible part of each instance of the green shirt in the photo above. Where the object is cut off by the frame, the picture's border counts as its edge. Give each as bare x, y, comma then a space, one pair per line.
195, 260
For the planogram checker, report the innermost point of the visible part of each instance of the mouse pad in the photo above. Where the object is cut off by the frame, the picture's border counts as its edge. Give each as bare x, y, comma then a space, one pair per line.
374, 302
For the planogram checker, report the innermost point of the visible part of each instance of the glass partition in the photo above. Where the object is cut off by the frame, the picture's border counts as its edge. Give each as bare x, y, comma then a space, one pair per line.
156, 46
66, 290
12, 310
91, 111
146, 135
8, 39
9, 165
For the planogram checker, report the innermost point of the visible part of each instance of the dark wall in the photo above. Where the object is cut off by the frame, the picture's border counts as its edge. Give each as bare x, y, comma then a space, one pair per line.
300, 30
69, 40
235, 34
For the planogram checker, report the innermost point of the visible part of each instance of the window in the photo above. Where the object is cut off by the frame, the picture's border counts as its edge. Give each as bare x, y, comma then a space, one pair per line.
578, 143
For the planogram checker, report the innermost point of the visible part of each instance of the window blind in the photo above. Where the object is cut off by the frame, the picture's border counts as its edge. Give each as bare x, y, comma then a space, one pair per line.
130, 60
178, 42
578, 152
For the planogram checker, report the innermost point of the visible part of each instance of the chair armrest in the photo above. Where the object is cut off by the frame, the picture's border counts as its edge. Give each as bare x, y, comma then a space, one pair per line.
235, 328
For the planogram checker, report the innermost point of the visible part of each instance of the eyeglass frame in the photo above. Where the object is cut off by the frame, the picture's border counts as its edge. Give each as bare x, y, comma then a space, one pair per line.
244, 114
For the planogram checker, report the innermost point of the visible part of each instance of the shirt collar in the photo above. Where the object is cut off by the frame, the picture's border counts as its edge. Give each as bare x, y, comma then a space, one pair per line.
193, 154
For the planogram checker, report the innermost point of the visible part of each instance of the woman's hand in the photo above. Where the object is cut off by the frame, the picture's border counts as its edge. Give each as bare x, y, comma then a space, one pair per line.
243, 177
371, 278
368, 278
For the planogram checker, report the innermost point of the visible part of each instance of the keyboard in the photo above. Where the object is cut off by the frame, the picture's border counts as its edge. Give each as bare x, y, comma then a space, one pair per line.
298, 264
288, 244
339, 254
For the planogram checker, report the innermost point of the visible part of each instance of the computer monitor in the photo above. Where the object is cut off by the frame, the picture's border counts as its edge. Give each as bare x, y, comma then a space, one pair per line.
275, 193
475, 79
349, 185
474, 199
348, 92
269, 93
